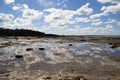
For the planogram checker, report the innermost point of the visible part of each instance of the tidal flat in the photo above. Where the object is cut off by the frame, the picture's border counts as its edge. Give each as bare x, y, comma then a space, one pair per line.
60, 58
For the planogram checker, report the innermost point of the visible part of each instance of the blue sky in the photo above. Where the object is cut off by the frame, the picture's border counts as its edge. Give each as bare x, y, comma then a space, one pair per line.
64, 17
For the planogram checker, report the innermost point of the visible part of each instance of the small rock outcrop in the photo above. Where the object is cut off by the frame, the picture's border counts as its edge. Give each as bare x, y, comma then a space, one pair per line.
29, 49
18, 56
70, 45
41, 48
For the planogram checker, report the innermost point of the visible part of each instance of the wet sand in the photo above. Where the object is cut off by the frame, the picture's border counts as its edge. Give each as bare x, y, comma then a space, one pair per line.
60, 58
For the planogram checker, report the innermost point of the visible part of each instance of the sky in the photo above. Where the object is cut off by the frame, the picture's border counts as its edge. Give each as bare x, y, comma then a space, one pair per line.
63, 17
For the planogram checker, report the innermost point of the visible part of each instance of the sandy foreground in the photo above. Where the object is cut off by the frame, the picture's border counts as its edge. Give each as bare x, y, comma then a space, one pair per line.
61, 58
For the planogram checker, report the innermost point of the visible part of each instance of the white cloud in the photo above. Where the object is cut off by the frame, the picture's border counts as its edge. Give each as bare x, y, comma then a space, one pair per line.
25, 21
118, 23
65, 6
77, 30
60, 17
63, 1
95, 20
6, 18
61, 4
112, 8
106, 10
97, 23
22, 22
58, 20
84, 9
32, 14
104, 1
20, 7
108, 30
82, 19
112, 21
108, 1
46, 3
9, 1
15, 7
28, 13
97, 16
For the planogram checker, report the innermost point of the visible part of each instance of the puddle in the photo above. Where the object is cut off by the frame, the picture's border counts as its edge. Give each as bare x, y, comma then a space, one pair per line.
66, 51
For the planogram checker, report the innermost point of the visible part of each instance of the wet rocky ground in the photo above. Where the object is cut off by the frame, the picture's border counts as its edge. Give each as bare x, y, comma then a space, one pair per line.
60, 58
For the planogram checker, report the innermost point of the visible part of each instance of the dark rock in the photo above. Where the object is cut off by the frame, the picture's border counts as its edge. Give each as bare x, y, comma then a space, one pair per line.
18, 56
79, 78
114, 46
70, 44
29, 49
41, 48
48, 77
